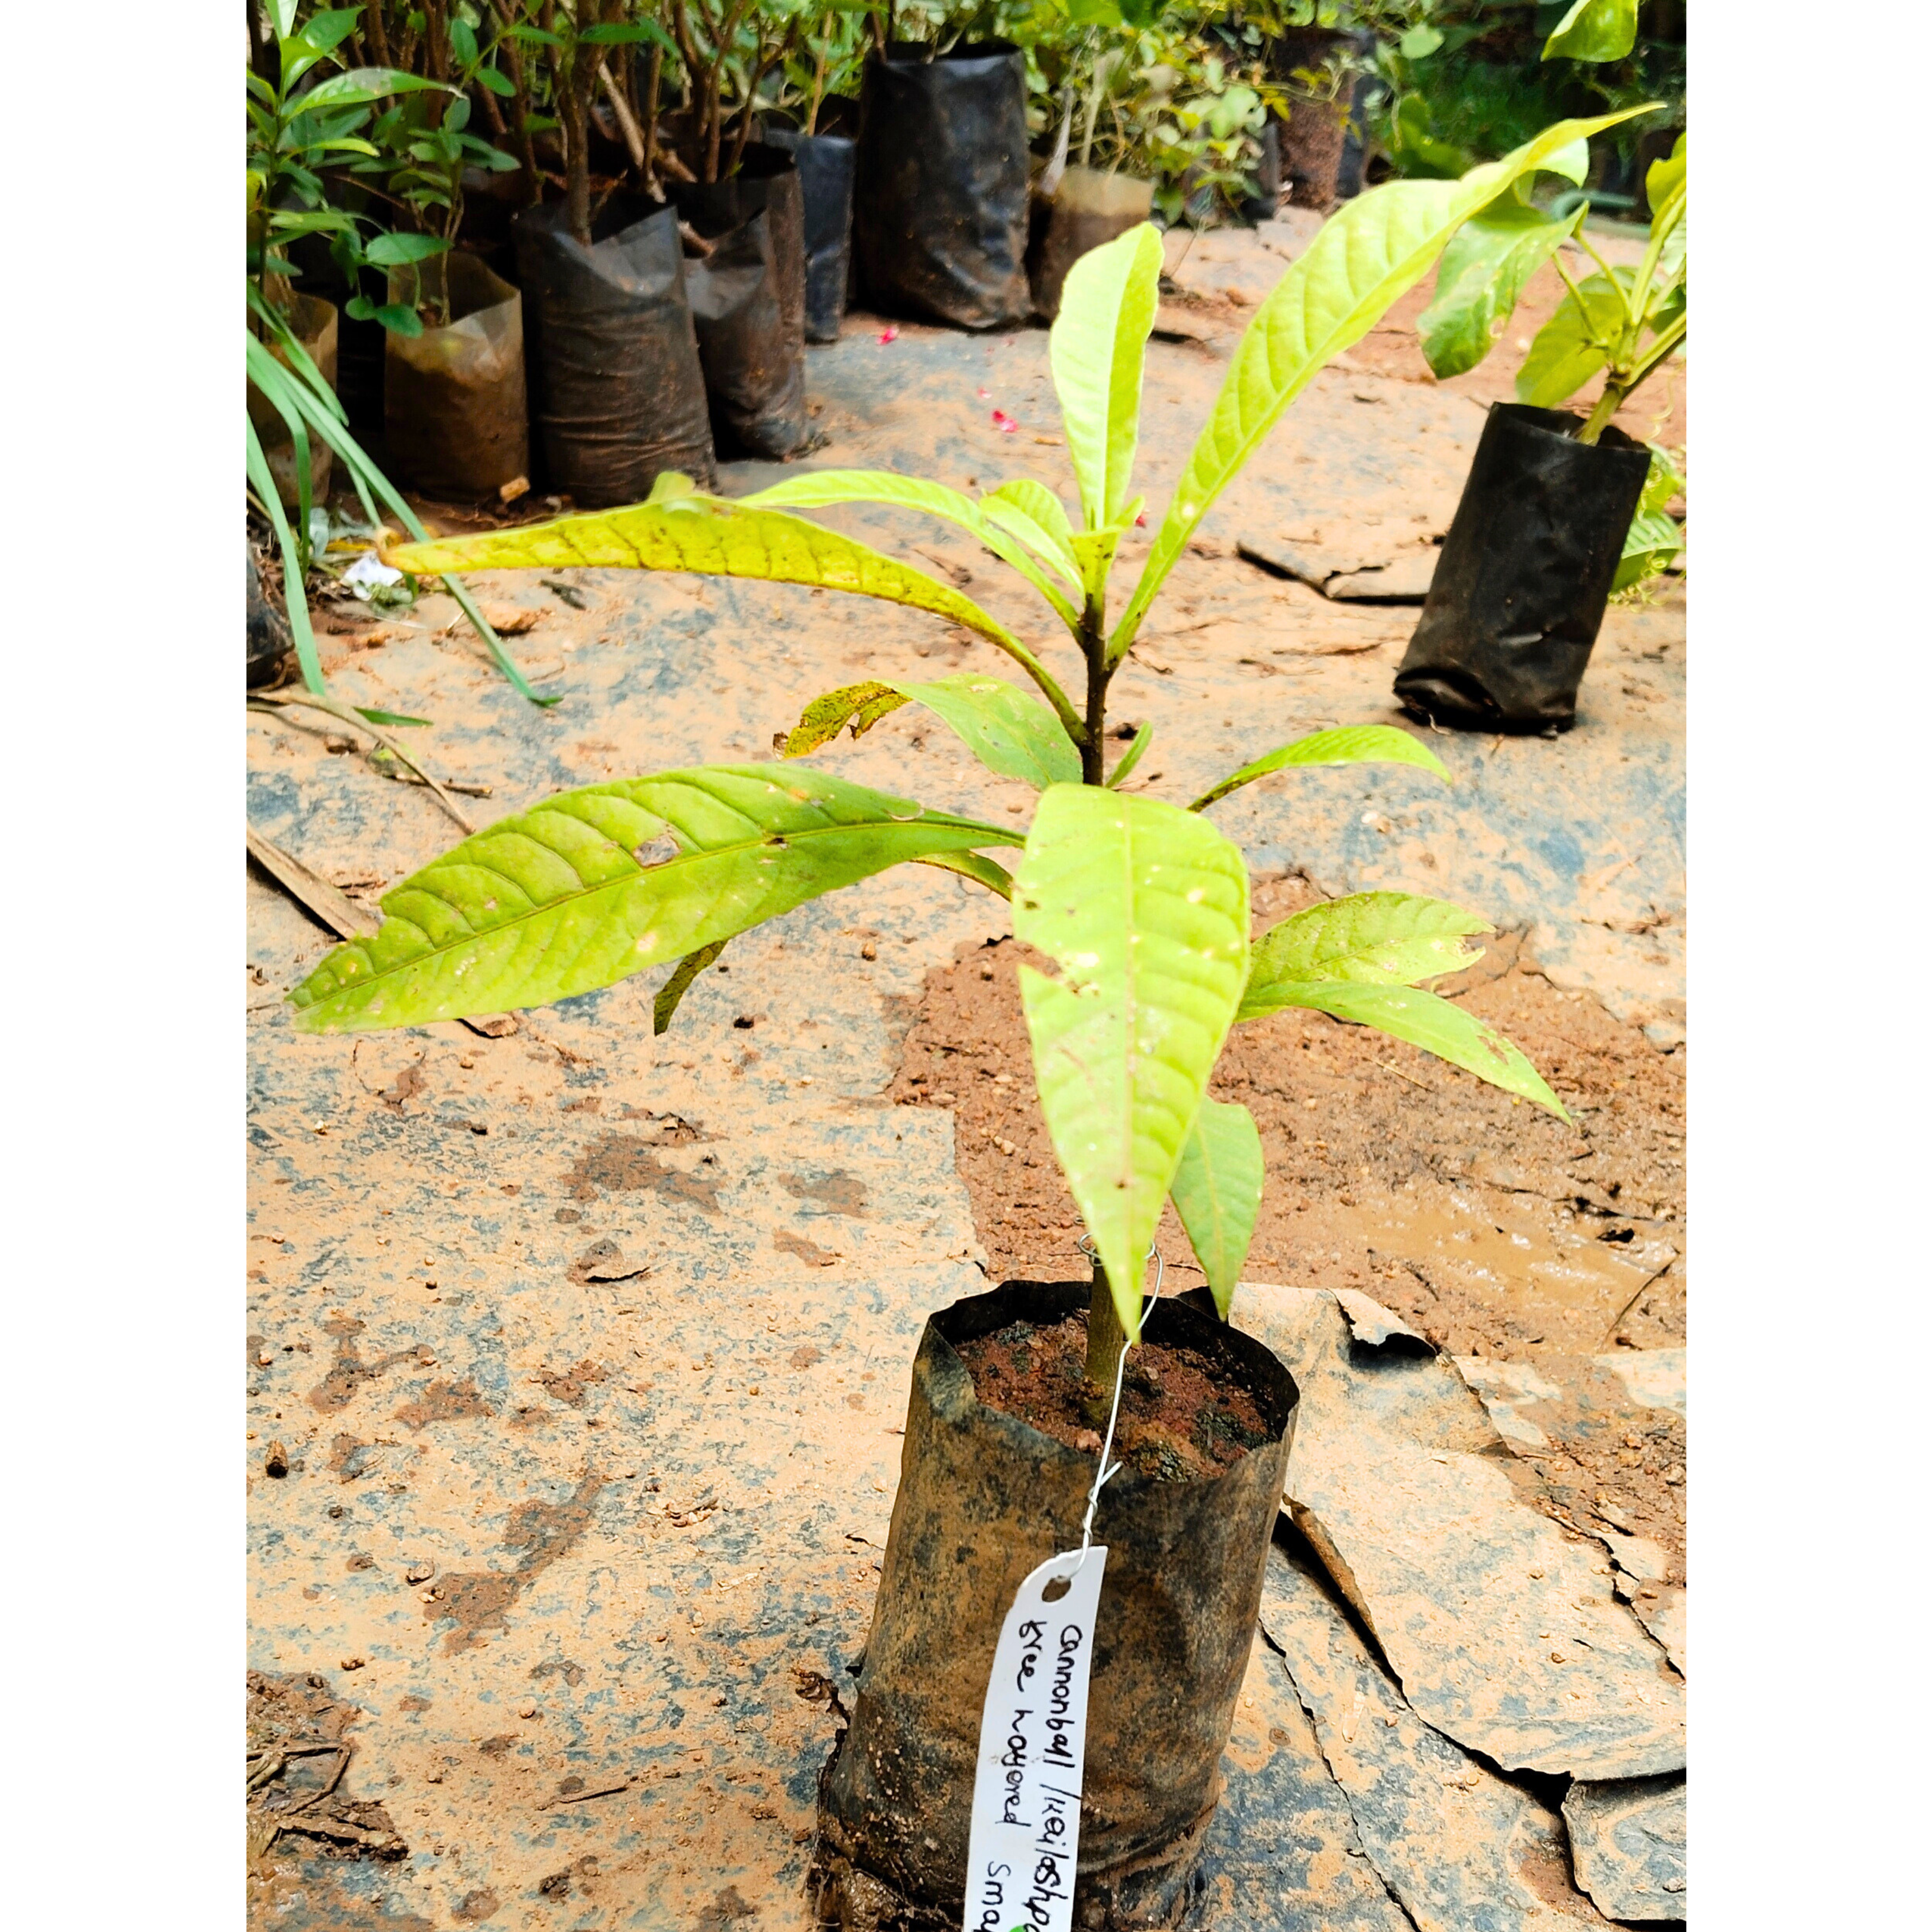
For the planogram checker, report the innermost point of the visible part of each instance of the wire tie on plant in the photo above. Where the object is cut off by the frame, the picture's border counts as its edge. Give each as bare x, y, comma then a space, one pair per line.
1105, 1475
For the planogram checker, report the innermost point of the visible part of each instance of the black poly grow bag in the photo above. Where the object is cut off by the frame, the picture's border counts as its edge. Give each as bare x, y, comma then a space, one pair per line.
753, 365
1518, 594
940, 214
984, 1499
617, 394
747, 300
827, 166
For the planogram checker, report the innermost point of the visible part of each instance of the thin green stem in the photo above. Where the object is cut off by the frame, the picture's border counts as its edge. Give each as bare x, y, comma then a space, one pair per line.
1595, 340
1106, 1342
1608, 274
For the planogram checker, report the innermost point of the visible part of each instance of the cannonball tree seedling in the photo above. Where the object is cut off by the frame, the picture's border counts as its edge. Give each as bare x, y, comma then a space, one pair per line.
1140, 902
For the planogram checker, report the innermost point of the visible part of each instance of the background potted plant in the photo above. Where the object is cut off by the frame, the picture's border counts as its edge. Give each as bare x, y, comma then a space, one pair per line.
1143, 905
821, 87
940, 214
455, 414
743, 209
299, 120
1559, 509
618, 391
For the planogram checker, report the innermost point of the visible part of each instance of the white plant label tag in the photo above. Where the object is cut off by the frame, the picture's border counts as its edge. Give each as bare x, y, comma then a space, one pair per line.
1033, 1754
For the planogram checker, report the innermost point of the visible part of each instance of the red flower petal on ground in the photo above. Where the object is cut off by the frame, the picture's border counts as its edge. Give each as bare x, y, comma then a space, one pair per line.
1003, 423
890, 333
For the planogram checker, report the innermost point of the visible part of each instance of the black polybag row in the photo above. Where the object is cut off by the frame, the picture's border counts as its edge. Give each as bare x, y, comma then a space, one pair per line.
617, 393
747, 301
827, 167
1525, 571
940, 216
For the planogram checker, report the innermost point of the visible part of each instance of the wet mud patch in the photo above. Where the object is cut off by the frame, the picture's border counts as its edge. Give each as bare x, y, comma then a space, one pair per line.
616, 1163
477, 1602
571, 1386
301, 1819
837, 1192
444, 1402
1498, 1232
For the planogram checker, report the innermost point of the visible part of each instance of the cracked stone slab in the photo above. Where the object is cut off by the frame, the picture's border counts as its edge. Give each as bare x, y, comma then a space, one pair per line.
1629, 1843
1463, 1848
1664, 1617
1283, 1854
1504, 1631
1655, 1377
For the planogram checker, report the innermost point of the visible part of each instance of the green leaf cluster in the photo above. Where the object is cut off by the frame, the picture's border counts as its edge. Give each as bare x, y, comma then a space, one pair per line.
1140, 906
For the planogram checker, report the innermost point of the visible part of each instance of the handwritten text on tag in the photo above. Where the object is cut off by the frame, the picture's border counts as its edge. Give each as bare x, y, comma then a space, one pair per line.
1033, 1752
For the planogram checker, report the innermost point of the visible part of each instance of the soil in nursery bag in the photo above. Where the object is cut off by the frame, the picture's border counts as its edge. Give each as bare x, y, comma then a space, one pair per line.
1089, 208
1518, 595
455, 416
617, 390
994, 1479
940, 213
313, 322
748, 301
827, 166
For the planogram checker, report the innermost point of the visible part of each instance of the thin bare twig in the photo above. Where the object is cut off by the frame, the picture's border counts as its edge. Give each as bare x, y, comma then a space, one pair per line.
348, 715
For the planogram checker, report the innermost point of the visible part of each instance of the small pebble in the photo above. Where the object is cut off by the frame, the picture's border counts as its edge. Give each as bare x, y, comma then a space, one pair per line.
275, 1459
352, 1662
868, 951
528, 1710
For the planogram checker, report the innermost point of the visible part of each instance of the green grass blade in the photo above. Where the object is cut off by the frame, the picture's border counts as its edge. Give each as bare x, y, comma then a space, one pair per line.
295, 598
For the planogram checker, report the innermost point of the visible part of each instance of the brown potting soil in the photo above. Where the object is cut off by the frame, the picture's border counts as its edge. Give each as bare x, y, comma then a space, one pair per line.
1490, 1226
1179, 1422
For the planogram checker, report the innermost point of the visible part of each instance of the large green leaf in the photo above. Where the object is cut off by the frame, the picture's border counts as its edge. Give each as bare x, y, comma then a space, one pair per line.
822, 489
716, 537
1376, 247
1349, 745
1431, 1023
1145, 908
1383, 939
1098, 348
557, 900
1003, 728
1593, 30
1568, 348
1481, 277
1217, 1192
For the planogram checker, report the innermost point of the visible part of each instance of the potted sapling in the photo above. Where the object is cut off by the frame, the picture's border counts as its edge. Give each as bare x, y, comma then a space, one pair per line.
617, 392
1139, 908
455, 418
742, 210
821, 82
1560, 507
